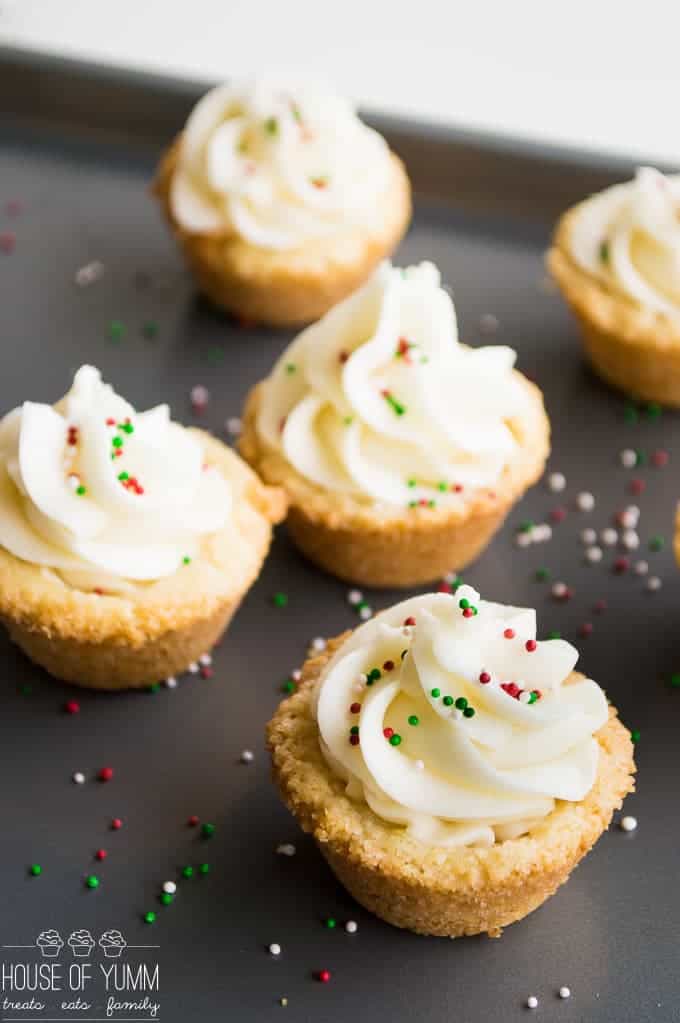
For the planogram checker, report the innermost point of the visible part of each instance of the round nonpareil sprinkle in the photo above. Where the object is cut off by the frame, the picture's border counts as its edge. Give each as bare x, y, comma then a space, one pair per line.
286, 849
318, 644
557, 481
324, 976
558, 514
149, 917
641, 567
628, 823
365, 613
656, 543
247, 756
585, 501
275, 949
72, 707
565, 992
621, 565
105, 774
594, 554
233, 426
199, 397
35, 870
630, 540
532, 1002
660, 459
92, 881
116, 824
628, 458
654, 583
171, 682
170, 887
609, 537
100, 854
351, 927
559, 590
78, 778
355, 597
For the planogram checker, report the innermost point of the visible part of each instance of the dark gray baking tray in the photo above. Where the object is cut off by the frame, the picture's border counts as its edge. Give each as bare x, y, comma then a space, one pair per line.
77, 150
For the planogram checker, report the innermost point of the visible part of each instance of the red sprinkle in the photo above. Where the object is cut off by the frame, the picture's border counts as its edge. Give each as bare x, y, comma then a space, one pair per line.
116, 824
445, 588
660, 458
72, 707
388, 732
324, 976
354, 740
485, 678
530, 645
7, 241
511, 688
468, 612
599, 606
110, 421
207, 671
586, 629
100, 854
558, 514
458, 487
343, 357
621, 565
388, 666
193, 821
355, 708
410, 620
637, 486
509, 633
105, 774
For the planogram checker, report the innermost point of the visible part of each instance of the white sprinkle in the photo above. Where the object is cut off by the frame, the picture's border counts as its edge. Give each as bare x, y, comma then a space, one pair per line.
286, 849
585, 501
318, 644
456, 714
171, 682
609, 536
628, 458
193, 668
89, 273
588, 536
451, 578
419, 765
199, 396
557, 481
205, 659
524, 696
488, 323
79, 778
558, 589
351, 927
630, 540
532, 1002
233, 426
541, 533
654, 583
296, 675
170, 887
247, 756
355, 596
363, 678
628, 823
641, 567
73, 481
523, 538
365, 613
275, 949
593, 555
565, 992
630, 517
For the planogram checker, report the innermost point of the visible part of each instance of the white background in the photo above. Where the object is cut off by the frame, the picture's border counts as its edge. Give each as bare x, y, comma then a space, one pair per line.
590, 73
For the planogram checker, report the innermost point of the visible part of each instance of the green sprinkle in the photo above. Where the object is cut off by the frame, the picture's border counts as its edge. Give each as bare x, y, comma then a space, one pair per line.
432, 503
461, 703
435, 693
533, 696
208, 830
411, 483
604, 252
542, 575
271, 126
447, 701
122, 476
443, 487
290, 367
155, 687
187, 872
361, 605
675, 680
413, 504
186, 560
395, 740
373, 676
635, 735
35, 870
116, 330
280, 599
348, 420
92, 881
653, 411
288, 686
167, 898
150, 917
117, 442
330, 923
413, 720
81, 490
554, 634
640, 458
354, 730
464, 603
126, 427
149, 330
630, 414
395, 405
295, 111
526, 526
204, 869
656, 543
469, 712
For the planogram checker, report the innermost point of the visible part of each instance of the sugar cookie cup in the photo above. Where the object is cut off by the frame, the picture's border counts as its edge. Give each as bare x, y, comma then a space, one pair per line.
309, 203
368, 502
614, 267
418, 885
86, 625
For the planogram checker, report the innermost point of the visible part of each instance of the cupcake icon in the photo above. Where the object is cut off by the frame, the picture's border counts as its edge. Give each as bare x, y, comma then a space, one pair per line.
113, 943
49, 943
81, 943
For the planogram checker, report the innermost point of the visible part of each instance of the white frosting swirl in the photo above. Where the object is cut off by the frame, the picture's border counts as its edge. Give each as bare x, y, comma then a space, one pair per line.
629, 237
70, 502
440, 747
379, 400
276, 166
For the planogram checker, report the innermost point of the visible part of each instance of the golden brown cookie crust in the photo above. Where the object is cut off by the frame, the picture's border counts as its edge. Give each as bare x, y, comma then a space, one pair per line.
123, 641
405, 546
634, 349
291, 287
447, 892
